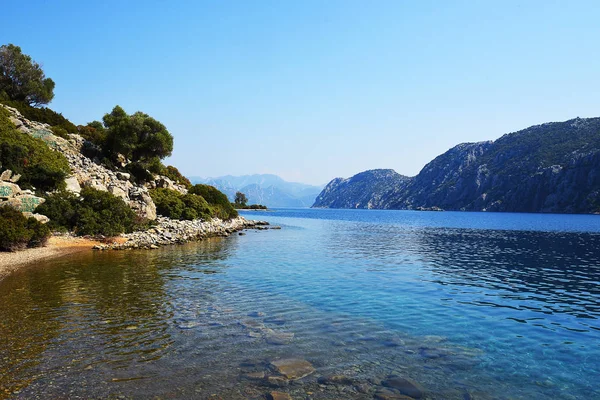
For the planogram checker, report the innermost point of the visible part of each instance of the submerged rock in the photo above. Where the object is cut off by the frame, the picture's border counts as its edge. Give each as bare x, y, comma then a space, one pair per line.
405, 386
293, 368
278, 396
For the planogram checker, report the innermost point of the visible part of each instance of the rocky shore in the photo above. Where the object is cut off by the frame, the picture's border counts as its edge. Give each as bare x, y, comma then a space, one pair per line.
168, 232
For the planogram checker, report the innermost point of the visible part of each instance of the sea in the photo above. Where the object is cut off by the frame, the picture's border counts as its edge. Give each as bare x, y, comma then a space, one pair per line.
461, 305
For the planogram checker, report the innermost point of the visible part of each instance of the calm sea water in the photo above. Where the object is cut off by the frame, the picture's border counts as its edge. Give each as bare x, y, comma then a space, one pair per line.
469, 305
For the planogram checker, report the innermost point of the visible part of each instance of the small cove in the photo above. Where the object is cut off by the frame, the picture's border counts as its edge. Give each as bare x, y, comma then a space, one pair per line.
493, 306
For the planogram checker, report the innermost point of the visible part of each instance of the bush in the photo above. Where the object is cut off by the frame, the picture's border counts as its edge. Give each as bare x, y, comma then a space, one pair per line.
18, 232
43, 115
218, 201
94, 213
176, 176
138, 171
172, 204
38, 165
93, 133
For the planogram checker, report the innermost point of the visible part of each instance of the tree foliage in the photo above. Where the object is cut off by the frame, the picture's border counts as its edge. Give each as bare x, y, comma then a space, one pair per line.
138, 137
240, 199
22, 79
31, 158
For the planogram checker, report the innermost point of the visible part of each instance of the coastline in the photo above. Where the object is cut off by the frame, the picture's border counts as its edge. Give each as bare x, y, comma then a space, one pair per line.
166, 232
57, 246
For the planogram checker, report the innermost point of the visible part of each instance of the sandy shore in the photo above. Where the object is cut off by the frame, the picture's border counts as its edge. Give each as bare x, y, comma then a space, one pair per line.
57, 246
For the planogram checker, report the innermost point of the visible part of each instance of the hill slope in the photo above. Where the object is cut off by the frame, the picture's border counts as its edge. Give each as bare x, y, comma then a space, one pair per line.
553, 167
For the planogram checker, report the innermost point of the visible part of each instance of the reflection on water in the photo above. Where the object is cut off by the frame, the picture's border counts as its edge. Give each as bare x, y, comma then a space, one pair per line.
466, 312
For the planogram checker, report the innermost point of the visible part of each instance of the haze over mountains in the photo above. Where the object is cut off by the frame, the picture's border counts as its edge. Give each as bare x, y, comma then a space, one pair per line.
266, 189
553, 167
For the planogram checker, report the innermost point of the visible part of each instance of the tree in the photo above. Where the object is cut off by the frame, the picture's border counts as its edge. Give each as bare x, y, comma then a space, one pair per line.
240, 199
22, 79
138, 137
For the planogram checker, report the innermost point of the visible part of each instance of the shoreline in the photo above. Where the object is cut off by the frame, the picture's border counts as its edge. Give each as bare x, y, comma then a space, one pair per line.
56, 247
166, 232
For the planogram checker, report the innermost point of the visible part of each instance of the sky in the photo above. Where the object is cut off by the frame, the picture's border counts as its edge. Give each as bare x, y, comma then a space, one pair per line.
312, 90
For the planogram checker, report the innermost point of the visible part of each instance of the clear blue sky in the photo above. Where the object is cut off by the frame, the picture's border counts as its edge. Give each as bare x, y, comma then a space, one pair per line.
312, 90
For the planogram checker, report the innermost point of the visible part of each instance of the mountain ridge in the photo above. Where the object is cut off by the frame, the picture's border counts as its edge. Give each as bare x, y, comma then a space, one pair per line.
267, 189
550, 167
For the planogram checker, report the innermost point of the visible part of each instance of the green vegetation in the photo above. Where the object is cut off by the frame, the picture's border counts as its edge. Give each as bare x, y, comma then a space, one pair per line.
138, 137
250, 207
18, 232
218, 201
172, 204
38, 165
240, 203
94, 213
60, 125
173, 173
240, 200
22, 79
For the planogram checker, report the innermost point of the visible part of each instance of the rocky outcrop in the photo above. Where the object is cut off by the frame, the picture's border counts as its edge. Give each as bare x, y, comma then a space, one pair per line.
364, 190
168, 232
21, 200
553, 167
90, 173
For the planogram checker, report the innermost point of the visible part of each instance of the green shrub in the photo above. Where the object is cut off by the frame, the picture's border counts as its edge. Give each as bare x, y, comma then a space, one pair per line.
173, 173
60, 132
138, 171
93, 133
38, 165
172, 204
43, 115
94, 213
18, 232
218, 201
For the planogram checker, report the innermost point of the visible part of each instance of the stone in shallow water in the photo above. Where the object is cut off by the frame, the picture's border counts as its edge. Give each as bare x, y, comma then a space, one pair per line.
293, 368
188, 324
255, 375
387, 394
252, 324
336, 380
278, 338
278, 396
405, 386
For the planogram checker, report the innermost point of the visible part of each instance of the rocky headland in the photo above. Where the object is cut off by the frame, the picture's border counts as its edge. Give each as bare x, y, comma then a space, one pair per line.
551, 168
86, 172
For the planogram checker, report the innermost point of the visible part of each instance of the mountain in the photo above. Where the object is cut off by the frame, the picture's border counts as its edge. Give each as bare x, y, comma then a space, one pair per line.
266, 189
553, 167
364, 190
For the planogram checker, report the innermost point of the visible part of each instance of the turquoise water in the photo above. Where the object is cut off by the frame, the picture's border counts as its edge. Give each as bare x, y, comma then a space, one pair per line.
469, 305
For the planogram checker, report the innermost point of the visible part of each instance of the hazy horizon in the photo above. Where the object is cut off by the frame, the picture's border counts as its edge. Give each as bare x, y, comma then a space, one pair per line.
314, 90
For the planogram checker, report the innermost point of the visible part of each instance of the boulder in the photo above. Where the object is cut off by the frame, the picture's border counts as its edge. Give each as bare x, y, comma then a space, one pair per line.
73, 185
8, 190
124, 176
5, 176
118, 192
25, 203
39, 217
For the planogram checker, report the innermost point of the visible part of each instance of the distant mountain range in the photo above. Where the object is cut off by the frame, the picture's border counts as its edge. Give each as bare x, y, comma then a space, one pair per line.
553, 167
266, 189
